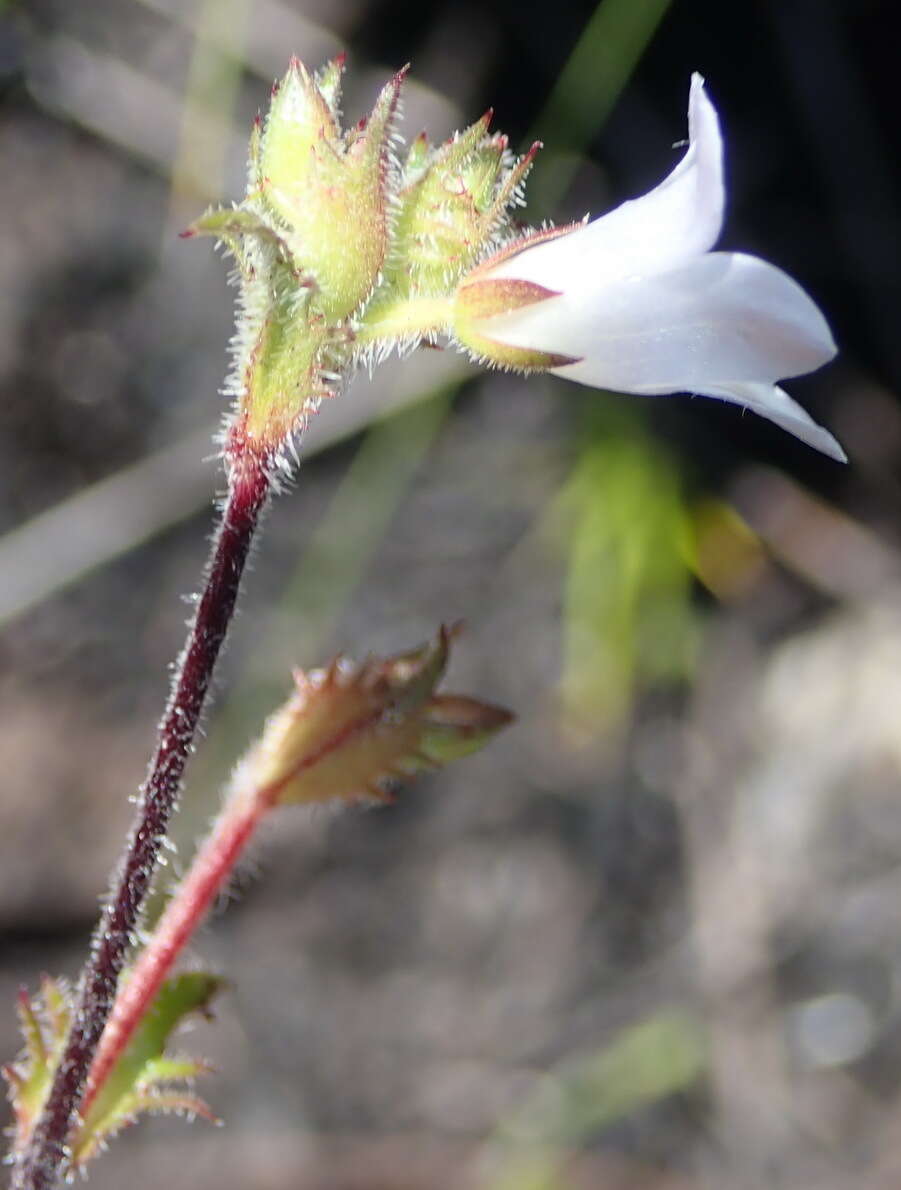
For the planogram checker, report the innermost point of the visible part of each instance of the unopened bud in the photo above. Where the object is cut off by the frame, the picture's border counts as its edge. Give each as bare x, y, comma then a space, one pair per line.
453, 202
330, 188
350, 729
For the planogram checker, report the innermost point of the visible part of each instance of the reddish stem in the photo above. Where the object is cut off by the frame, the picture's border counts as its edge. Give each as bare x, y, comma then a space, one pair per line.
213, 864
45, 1156
211, 867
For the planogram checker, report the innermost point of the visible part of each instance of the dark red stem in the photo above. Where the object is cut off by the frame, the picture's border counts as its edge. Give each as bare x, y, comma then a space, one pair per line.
44, 1159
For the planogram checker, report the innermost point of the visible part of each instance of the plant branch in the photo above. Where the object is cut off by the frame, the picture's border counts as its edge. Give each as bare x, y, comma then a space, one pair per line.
45, 1157
342, 734
209, 871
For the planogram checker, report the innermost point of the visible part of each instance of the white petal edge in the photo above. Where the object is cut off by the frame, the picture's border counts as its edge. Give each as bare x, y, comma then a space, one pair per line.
773, 403
720, 317
680, 219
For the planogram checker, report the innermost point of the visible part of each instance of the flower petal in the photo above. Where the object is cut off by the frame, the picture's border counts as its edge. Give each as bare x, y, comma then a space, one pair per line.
771, 402
720, 318
680, 219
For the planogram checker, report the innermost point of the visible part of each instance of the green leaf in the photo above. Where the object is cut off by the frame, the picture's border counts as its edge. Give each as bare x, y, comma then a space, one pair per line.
628, 623
140, 1080
44, 1022
643, 1064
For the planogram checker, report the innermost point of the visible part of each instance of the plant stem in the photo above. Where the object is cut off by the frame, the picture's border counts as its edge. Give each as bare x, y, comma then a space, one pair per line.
43, 1160
210, 869
249, 800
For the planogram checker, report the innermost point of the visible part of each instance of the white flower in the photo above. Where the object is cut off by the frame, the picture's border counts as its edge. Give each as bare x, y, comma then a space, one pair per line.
643, 306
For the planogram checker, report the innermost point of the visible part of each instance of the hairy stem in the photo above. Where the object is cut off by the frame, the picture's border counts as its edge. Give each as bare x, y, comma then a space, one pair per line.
45, 1157
209, 871
215, 861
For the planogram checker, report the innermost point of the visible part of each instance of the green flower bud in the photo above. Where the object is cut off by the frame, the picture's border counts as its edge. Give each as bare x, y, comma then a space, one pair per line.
310, 241
343, 256
454, 202
329, 190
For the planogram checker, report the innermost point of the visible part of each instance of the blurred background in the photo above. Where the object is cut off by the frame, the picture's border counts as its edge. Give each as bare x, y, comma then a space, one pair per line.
650, 939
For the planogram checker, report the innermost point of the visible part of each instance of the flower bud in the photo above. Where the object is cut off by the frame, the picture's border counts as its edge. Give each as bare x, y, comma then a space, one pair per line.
350, 728
453, 202
310, 241
328, 189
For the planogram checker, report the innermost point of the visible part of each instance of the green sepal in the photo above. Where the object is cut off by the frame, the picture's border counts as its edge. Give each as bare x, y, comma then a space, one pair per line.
455, 726
327, 189
226, 222
411, 677
281, 382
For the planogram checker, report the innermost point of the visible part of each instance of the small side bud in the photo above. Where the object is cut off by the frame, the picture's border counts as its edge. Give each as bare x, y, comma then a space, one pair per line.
350, 729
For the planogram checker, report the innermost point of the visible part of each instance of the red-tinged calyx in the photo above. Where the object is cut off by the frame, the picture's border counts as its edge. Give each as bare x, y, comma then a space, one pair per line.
483, 299
349, 729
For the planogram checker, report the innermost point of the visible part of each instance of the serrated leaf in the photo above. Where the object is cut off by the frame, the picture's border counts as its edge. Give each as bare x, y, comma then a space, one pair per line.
127, 1111
44, 1022
140, 1080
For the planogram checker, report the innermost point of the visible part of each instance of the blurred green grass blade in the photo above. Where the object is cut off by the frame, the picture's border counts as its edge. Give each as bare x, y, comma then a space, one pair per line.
644, 1064
212, 86
628, 620
597, 70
